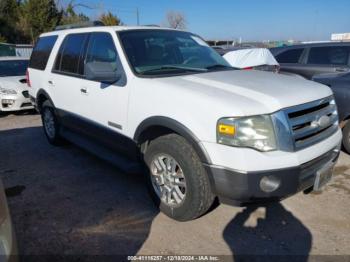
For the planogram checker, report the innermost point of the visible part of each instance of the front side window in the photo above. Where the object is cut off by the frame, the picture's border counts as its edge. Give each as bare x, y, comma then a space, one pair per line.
70, 54
290, 56
330, 55
41, 52
101, 49
168, 52
13, 68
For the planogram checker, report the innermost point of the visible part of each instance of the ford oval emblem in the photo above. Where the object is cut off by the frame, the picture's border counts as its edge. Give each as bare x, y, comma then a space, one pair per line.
322, 122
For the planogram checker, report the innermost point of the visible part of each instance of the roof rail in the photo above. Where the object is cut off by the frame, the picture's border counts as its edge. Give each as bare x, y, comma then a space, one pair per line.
79, 25
152, 25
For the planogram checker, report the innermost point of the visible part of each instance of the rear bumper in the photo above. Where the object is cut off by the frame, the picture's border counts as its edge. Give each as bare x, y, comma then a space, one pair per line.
238, 188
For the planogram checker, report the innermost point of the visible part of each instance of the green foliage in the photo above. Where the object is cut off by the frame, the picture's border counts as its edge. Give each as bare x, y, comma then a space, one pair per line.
8, 17
71, 17
110, 19
41, 16
22, 21
2, 39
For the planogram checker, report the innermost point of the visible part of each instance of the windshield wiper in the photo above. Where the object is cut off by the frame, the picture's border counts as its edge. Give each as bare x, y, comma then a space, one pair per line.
218, 66
185, 68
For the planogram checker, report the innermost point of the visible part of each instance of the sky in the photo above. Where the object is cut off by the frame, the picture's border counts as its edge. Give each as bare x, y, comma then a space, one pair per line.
252, 20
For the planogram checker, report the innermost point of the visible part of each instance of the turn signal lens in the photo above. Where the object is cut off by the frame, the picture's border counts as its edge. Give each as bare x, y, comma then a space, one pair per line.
226, 129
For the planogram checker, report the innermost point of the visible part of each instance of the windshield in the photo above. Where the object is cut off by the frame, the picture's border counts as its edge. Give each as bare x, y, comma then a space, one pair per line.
168, 52
13, 68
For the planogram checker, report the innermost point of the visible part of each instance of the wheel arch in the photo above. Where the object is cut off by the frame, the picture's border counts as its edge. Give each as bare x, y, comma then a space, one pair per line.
156, 126
41, 97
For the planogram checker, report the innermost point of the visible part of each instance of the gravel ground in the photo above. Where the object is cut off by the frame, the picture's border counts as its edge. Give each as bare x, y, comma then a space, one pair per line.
68, 202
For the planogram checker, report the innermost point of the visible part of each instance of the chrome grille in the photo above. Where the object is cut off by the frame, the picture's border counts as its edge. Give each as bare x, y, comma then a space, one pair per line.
312, 122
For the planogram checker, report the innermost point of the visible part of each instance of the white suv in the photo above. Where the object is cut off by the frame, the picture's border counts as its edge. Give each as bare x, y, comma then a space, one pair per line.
163, 97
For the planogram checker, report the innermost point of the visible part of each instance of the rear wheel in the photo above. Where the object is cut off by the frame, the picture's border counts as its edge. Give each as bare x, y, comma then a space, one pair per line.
177, 180
50, 124
346, 137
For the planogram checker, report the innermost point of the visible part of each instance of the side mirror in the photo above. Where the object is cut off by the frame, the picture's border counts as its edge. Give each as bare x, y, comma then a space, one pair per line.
102, 72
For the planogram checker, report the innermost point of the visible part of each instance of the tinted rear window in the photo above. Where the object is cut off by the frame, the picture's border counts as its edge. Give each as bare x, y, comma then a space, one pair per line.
41, 52
329, 55
70, 53
290, 56
13, 68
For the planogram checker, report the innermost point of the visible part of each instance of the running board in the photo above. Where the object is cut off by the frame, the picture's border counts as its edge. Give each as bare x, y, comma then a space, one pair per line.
124, 164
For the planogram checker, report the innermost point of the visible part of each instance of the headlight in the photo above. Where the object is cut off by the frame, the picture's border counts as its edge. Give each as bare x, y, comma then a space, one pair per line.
255, 132
5, 91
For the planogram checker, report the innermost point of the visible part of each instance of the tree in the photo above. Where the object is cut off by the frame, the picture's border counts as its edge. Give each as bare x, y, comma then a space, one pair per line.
110, 19
9, 10
2, 39
41, 16
176, 20
71, 17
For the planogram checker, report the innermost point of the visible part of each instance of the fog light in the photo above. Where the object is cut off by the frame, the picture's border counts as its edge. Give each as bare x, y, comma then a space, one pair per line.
8, 101
269, 184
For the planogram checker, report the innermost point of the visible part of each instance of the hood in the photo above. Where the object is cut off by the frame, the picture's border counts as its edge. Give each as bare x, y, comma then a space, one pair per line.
250, 92
14, 83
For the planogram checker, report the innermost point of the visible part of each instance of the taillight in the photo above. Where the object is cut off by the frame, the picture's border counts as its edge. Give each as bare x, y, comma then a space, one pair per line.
27, 78
248, 68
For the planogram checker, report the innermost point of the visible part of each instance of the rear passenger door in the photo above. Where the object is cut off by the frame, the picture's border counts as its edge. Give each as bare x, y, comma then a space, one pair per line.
327, 59
66, 78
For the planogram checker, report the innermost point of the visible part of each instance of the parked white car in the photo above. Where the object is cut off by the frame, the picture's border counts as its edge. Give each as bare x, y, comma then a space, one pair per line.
252, 58
14, 95
163, 97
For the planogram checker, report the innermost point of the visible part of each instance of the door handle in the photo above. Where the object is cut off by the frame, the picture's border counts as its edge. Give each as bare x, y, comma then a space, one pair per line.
84, 90
341, 69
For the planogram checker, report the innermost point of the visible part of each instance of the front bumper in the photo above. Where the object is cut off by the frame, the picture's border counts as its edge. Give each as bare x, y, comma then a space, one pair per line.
237, 188
20, 101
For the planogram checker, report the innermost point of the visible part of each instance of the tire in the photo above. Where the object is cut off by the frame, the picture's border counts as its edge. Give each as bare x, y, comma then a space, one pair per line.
346, 137
195, 191
51, 125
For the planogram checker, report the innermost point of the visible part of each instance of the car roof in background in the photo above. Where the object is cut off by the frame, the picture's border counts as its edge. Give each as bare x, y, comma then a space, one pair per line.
12, 58
324, 44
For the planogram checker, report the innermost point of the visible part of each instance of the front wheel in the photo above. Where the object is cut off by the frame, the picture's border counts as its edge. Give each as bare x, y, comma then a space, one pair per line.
177, 180
346, 137
50, 124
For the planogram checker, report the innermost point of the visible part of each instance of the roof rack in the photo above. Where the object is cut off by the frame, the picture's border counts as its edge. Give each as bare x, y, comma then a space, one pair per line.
79, 25
152, 25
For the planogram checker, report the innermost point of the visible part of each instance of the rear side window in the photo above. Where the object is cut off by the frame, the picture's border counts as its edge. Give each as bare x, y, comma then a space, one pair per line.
70, 54
290, 56
101, 49
41, 52
329, 55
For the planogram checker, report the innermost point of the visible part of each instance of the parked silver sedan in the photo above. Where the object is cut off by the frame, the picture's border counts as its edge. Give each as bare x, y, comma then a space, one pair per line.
8, 246
14, 95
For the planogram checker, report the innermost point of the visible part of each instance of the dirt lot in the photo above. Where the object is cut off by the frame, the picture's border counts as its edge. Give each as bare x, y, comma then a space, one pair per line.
66, 201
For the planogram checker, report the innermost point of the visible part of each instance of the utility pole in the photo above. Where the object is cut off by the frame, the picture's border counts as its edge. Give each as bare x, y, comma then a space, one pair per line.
137, 16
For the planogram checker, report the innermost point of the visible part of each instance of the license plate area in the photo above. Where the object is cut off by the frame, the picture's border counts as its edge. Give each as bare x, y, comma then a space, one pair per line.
323, 176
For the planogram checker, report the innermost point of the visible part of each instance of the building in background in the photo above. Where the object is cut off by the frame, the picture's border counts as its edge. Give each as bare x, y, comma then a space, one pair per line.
341, 37
15, 50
